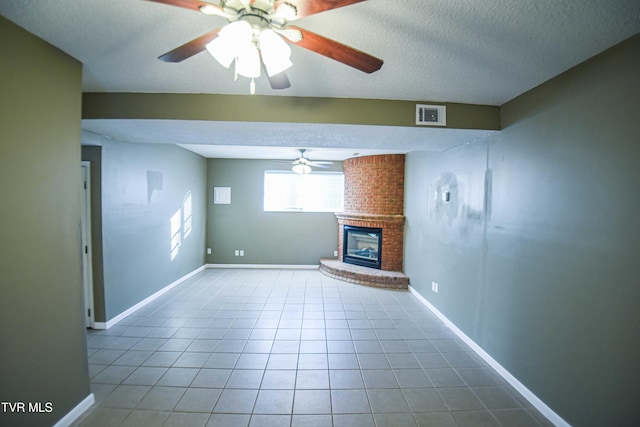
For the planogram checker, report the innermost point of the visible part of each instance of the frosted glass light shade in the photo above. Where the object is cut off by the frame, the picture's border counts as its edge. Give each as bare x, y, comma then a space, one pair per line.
248, 63
276, 52
300, 168
221, 51
232, 39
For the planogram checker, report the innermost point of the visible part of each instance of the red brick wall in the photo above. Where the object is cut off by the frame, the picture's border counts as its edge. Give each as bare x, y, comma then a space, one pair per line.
374, 184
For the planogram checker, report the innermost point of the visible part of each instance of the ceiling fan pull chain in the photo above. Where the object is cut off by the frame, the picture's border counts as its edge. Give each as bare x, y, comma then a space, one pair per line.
235, 69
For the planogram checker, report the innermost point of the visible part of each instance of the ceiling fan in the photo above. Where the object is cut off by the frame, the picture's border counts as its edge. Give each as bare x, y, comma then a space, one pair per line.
255, 37
303, 165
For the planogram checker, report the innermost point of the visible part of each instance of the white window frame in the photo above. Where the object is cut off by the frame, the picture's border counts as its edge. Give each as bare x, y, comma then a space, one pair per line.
300, 194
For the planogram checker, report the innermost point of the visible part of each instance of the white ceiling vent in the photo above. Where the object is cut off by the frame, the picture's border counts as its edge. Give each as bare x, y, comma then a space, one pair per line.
431, 115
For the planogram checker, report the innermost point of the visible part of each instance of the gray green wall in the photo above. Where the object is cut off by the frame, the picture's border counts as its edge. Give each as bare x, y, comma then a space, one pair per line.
537, 253
43, 356
300, 238
143, 186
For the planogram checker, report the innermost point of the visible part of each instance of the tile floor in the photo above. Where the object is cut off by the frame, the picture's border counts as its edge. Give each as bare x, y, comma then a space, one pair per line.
291, 348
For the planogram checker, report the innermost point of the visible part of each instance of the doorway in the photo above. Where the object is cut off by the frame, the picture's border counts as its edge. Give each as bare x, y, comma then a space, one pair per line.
85, 223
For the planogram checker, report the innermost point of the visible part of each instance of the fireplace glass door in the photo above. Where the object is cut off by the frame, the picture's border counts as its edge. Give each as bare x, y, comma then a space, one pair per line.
362, 246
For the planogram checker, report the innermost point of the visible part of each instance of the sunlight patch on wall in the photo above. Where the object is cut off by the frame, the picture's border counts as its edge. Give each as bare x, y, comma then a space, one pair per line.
186, 211
181, 224
176, 235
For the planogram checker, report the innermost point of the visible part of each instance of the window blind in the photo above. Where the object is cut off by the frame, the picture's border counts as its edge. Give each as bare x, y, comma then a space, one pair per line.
286, 191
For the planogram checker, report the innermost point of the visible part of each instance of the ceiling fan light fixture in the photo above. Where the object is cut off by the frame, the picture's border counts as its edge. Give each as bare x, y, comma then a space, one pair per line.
276, 53
221, 51
233, 38
301, 168
248, 63
277, 66
248, 19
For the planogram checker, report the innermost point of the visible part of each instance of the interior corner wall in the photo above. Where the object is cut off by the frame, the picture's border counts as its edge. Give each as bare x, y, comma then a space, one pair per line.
43, 357
536, 254
148, 239
280, 238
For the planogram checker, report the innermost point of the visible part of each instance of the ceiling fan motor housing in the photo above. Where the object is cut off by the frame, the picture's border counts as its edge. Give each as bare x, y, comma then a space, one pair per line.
261, 13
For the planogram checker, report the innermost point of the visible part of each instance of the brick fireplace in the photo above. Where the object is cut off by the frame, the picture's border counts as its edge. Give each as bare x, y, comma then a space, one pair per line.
373, 198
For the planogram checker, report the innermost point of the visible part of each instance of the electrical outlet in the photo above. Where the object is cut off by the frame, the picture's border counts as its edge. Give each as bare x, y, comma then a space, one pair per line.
208, 251
434, 287
241, 252
237, 252
335, 253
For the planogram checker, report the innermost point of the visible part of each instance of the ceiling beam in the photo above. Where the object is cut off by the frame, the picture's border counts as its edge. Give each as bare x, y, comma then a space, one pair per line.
279, 109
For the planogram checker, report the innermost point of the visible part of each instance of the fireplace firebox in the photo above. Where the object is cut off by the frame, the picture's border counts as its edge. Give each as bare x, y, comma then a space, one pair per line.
362, 246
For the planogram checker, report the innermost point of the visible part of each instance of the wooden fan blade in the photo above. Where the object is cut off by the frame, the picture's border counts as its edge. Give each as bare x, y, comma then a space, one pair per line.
338, 51
189, 49
187, 4
279, 81
310, 7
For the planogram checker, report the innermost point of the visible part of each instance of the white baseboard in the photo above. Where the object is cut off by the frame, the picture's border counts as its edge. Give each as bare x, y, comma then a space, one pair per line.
76, 412
513, 381
130, 310
266, 266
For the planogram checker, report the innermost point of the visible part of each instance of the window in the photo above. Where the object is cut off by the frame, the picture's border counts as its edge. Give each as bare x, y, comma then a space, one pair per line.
285, 191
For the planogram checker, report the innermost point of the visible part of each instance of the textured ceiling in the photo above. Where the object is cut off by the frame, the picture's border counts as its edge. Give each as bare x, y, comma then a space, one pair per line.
281, 140
477, 52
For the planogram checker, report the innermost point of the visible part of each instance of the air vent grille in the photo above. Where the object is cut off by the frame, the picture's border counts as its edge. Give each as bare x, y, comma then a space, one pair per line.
431, 115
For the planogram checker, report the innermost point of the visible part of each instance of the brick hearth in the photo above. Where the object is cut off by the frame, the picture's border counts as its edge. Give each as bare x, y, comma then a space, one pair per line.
364, 275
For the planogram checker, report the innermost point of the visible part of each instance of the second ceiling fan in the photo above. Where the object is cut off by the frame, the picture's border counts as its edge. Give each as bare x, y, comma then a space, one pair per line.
254, 39
302, 165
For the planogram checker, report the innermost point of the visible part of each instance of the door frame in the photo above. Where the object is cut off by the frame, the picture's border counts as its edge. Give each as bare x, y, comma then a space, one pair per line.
87, 263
